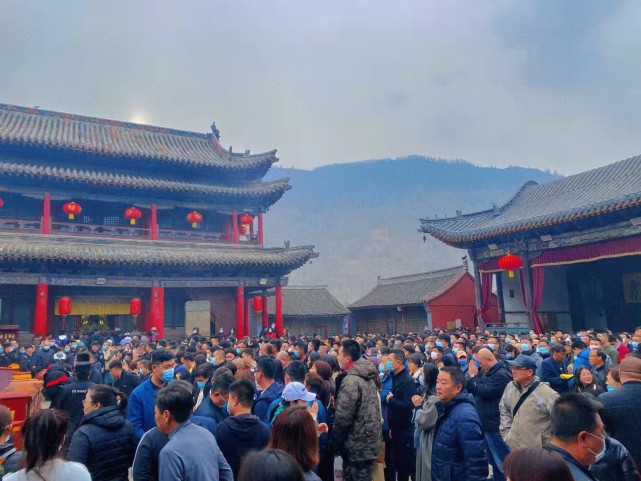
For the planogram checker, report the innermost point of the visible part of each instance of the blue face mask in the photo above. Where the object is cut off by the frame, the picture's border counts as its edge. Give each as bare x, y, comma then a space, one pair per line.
455, 350
381, 368
388, 364
46, 348
67, 350
297, 354
238, 351
478, 366
168, 375
542, 350
378, 355
634, 344
200, 384
462, 362
610, 388
226, 408
491, 346
22, 351
509, 356
439, 344
525, 347
551, 342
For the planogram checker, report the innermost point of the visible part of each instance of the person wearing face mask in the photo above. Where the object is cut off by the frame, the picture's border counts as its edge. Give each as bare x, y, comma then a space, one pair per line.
43, 355
578, 434
123, 380
143, 398
525, 343
267, 388
241, 432
385, 374
25, 359
7, 356
214, 406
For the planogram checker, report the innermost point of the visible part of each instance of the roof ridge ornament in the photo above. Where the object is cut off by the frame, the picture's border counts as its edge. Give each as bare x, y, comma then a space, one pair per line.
215, 131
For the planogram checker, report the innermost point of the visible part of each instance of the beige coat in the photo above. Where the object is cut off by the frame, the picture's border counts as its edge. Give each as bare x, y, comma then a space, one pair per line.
530, 428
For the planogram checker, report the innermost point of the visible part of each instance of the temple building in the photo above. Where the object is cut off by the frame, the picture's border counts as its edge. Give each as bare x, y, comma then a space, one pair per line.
576, 242
114, 224
442, 299
311, 310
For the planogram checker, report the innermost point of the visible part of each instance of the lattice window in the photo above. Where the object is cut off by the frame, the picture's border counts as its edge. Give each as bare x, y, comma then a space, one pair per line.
86, 219
111, 220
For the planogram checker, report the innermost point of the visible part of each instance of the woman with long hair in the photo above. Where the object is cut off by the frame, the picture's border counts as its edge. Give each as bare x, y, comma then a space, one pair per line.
584, 381
536, 464
428, 410
105, 441
294, 431
43, 436
415, 365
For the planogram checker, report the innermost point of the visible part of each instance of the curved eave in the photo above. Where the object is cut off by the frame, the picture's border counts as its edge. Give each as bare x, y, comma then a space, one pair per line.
457, 238
76, 250
43, 129
266, 193
385, 306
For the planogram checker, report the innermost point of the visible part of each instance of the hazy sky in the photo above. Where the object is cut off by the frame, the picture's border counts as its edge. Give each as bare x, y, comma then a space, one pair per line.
552, 84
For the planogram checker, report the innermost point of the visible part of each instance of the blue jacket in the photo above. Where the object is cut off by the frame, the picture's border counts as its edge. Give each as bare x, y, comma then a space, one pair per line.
140, 410
386, 381
458, 452
582, 359
263, 399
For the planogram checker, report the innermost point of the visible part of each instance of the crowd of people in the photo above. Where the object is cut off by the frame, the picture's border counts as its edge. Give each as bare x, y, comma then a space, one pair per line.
430, 406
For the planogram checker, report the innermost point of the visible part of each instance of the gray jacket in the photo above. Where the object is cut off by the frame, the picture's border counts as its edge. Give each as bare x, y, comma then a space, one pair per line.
357, 434
425, 419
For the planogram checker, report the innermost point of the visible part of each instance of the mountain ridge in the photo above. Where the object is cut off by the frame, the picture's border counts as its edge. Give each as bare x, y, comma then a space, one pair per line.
363, 217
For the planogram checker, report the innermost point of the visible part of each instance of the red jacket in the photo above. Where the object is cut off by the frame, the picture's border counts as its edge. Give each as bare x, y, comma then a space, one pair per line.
623, 351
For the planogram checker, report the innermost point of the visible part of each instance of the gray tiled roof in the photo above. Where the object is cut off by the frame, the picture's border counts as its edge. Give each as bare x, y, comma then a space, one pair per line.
313, 301
269, 192
76, 249
56, 130
410, 290
614, 187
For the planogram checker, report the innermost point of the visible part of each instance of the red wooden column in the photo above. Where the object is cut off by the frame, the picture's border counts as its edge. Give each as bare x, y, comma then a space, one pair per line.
46, 215
40, 311
234, 227
240, 311
260, 229
265, 310
247, 330
279, 310
157, 310
153, 225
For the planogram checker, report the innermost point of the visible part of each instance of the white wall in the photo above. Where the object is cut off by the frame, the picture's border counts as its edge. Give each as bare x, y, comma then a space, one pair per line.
555, 298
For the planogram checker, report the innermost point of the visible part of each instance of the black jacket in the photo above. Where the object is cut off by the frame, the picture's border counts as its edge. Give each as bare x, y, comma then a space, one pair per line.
105, 443
237, 435
400, 407
127, 382
616, 465
487, 389
70, 400
620, 414
551, 373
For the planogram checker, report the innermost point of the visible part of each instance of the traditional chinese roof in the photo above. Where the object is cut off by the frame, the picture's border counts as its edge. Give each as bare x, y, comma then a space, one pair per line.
411, 290
45, 129
312, 301
84, 250
607, 189
266, 193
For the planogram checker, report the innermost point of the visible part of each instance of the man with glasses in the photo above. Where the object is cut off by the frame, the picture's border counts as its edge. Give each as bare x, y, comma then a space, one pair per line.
526, 406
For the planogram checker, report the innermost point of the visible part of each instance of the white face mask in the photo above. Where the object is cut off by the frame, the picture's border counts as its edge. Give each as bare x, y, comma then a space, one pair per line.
434, 355
598, 456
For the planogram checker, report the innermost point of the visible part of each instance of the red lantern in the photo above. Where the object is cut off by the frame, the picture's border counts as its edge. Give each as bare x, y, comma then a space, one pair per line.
510, 263
194, 218
258, 303
72, 209
246, 219
243, 229
1, 203
135, 306
64, 306
133, 215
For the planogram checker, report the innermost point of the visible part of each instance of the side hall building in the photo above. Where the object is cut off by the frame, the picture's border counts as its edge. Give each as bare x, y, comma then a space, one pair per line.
579, 242
128, 222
